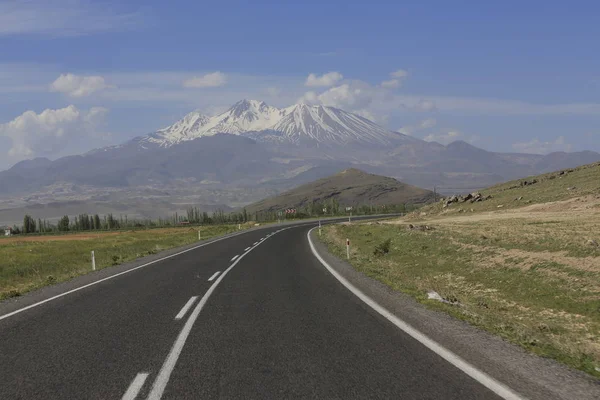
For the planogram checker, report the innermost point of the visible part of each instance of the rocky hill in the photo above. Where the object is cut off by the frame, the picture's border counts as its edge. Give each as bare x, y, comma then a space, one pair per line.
351, 187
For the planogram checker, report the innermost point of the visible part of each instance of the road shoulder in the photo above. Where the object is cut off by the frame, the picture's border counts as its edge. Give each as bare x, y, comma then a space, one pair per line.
533, 377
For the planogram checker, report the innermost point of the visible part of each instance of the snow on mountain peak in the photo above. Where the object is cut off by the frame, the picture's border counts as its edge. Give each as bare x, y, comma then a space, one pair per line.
298, 123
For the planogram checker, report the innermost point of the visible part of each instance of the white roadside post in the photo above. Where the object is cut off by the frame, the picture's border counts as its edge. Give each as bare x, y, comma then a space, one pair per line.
199, 234
239, 227
93, 261
348, 248
319, 227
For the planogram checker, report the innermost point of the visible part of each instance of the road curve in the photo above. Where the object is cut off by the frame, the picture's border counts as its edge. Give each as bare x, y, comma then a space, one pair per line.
252, 316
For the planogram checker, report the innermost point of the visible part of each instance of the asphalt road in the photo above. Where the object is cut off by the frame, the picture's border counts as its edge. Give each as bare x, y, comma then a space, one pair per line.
274, 323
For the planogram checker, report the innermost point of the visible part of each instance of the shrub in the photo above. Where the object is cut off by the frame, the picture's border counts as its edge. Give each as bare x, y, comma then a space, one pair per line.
383, 248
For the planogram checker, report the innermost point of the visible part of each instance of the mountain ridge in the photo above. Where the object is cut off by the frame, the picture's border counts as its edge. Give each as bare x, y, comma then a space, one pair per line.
294, 124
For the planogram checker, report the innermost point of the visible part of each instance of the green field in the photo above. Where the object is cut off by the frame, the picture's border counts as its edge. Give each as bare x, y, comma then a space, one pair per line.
31, 262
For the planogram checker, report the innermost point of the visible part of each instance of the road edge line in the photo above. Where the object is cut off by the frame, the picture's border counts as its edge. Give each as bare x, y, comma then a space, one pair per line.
39, 303
486, 380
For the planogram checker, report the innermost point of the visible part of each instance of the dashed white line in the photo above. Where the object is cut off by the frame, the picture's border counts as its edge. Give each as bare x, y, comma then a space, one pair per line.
135, 386
162, 379
186, 307
255, 243
486, 380
247, 248
212, 278
58, 296
236, 256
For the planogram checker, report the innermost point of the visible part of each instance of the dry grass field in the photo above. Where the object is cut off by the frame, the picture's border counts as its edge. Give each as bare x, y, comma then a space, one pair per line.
528, 271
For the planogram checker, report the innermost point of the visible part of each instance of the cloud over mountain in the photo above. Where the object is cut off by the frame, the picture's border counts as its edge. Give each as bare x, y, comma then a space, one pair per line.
50, 131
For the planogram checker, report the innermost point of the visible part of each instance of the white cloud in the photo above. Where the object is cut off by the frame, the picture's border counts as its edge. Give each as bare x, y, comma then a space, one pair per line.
424, 106
491, 106
214, 79
535, 146
398, 78
391, 84
326, 80
78, 86
273, 91
48, 132
428, 123
352, 96
444, 138
421, 126
401, 74
311, 98
64, 18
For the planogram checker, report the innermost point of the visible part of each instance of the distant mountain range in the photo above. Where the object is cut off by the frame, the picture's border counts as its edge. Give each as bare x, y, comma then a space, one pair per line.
253, 150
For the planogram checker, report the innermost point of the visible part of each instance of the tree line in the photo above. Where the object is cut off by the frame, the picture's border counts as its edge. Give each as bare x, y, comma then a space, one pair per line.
193, 215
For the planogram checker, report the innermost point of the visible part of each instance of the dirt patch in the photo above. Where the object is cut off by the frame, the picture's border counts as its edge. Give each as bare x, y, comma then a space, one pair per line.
585, 203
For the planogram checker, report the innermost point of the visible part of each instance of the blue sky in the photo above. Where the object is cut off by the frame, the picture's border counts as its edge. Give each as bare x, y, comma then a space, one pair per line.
506, 76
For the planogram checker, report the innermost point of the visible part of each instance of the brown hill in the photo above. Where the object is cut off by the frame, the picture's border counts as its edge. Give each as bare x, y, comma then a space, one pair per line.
350, 187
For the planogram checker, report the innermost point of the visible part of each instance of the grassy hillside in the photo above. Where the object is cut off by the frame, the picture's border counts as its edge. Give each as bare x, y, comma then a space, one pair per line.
350, 187
552, 187
524, 264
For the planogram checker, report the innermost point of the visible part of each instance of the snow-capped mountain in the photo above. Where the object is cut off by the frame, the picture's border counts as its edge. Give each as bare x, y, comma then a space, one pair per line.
329, 124
299, 123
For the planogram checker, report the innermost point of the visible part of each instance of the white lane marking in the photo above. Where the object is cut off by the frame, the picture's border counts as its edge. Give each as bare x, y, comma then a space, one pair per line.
236, 256
162, 379
186, 307
247, 248
255, 243
214, 276
495, 386
58, 296
135, 386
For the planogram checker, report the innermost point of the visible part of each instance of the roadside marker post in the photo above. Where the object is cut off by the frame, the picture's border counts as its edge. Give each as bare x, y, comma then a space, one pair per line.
348, 248
199, 234
93, 261
319, 227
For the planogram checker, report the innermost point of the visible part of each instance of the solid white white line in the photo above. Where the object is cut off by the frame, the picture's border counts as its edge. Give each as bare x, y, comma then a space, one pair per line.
236, 256
162, 379
247, 248
495, 386
214, 276
135, 386
58, 296
186, 307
